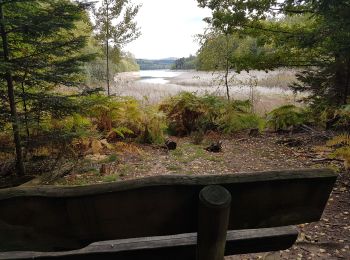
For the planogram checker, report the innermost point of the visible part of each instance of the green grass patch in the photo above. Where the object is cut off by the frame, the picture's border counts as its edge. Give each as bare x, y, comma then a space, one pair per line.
188, 153
177, 153
214, 159
110, 178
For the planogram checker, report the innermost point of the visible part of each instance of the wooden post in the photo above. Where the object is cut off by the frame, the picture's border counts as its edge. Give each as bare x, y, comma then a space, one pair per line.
213, 218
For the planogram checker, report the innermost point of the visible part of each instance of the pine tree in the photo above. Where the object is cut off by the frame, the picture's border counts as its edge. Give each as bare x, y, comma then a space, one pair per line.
40, 50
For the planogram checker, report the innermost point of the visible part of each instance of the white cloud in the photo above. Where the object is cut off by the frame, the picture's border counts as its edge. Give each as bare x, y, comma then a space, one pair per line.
168, 28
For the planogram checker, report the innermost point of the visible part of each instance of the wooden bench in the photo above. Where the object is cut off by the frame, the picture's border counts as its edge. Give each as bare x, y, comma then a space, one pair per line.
161, 217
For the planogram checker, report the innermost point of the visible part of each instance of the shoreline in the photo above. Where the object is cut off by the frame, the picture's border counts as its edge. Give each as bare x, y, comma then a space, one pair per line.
269, 90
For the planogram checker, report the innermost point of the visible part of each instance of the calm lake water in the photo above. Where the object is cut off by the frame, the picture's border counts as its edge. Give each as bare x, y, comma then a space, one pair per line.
157, 76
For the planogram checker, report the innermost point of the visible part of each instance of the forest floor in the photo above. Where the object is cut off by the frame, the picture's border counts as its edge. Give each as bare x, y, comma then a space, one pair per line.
326, 239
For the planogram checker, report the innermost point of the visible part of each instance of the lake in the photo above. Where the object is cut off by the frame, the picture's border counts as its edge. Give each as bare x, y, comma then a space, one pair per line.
157, 76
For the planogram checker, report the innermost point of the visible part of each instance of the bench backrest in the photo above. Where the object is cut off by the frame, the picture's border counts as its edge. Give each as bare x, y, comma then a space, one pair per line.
64, 218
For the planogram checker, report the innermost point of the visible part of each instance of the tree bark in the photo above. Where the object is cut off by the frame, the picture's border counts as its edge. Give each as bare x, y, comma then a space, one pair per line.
213, 219
341, 83
227, 69
347, 84
107, 47
25, 105
11, 96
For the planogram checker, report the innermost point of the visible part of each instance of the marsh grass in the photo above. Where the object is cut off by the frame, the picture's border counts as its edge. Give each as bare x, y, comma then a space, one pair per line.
271, 90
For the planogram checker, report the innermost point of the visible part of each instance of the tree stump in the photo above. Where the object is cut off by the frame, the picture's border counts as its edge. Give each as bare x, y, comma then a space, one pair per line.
254, 132
215, 147
170, 144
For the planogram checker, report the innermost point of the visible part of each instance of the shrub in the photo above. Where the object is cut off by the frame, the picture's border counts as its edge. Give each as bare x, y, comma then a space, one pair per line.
183, 112
233, 122
342, 144
335, 118
342, 116
187, 113
74, 124
236, 117
286, 117
110, 113
153, 126
124, 117
213, 107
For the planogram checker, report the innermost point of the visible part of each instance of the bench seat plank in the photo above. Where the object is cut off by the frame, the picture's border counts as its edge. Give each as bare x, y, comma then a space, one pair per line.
181, 246
68, 218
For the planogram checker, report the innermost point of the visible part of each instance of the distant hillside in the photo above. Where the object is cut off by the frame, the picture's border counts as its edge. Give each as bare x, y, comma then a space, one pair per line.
156, 64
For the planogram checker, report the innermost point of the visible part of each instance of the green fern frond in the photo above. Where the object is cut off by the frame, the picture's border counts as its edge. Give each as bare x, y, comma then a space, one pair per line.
286, 116
342, 139
343, 151
122, 131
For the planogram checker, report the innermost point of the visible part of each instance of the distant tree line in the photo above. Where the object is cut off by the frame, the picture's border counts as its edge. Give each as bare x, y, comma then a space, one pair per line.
189, 63
146, 64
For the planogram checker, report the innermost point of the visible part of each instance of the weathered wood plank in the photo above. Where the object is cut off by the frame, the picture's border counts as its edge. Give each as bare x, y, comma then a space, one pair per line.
164, 180
171, 247
213, 217
62, 218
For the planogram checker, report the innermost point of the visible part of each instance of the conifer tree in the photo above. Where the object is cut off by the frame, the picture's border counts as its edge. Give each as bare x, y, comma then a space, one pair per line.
39, 50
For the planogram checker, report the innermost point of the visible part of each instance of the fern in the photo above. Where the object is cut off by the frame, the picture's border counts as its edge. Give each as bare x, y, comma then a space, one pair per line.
342, 144
342, 139
232, 122
183, 112
285, 117
343, 115
188, 113
153, 126
122, 131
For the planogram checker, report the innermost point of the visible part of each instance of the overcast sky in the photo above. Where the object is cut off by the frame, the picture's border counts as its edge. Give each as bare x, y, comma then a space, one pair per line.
168, 28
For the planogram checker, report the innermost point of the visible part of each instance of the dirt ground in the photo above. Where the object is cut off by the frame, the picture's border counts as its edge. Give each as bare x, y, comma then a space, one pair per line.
326, 239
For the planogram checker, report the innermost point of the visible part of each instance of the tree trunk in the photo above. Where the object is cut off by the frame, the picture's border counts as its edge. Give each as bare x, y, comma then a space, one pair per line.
226, 82
347, 84
341, 78
227, 69
25, 105
11, 95
107, 46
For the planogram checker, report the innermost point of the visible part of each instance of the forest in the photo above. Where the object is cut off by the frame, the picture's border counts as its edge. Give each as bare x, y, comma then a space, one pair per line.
63, 121
155, 64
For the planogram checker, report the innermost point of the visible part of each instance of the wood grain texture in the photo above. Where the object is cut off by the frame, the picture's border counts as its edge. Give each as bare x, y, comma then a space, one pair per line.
67, 218
171, 247
213, 219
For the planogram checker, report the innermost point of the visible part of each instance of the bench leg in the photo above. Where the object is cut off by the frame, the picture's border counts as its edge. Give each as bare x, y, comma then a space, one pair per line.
213, 218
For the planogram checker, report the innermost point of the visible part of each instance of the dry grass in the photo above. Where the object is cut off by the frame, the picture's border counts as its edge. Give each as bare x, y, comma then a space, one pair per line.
270, 90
